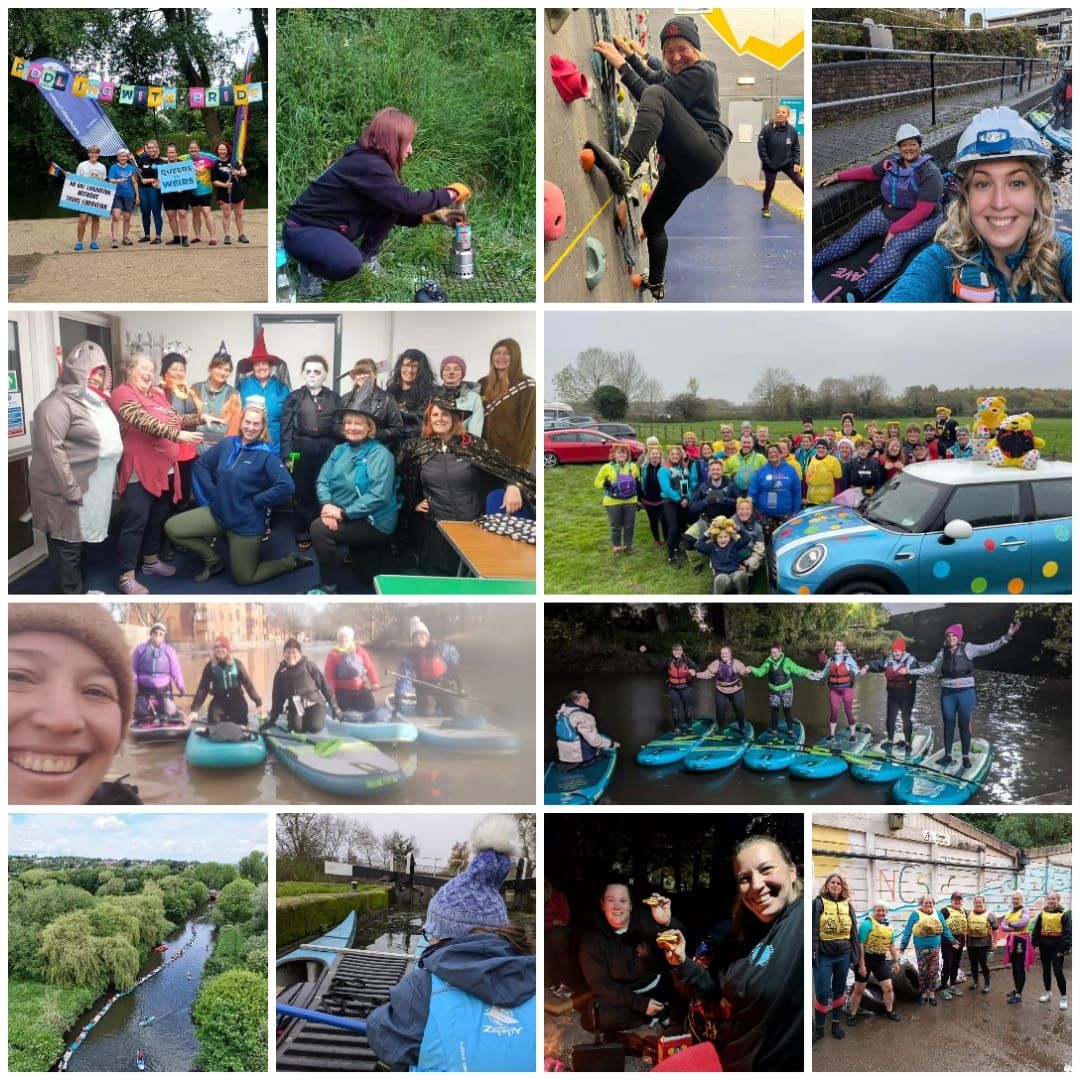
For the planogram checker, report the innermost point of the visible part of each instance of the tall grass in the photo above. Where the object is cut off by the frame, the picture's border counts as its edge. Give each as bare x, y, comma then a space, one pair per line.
467, 76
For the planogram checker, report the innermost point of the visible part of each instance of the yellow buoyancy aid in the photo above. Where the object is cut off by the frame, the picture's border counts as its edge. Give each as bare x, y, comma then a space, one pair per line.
1015, 917
927, 926
957, 921
879, 938
978, 924
1051, 923
835, 921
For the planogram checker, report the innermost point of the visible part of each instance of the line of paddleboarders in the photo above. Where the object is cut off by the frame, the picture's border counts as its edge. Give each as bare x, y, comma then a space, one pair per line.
939, 934
578, 739
717, 504
74, 688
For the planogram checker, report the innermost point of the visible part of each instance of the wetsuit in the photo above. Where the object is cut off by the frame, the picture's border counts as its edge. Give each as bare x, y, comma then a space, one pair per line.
835, 938
1051, 934
1017, 924
300, 691
956, 919
981, 927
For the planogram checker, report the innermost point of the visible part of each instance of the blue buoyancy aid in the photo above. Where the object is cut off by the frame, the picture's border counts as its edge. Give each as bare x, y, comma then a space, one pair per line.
566, 732
348, 666
465, 1034
900, 185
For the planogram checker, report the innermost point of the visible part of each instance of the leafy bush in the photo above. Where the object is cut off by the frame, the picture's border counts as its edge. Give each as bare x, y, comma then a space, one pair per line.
230, 1023
300, 916
307, 888
38, 1016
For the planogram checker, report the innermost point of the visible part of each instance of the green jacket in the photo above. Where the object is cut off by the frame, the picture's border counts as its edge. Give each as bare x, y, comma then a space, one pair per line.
783, 668
741, 468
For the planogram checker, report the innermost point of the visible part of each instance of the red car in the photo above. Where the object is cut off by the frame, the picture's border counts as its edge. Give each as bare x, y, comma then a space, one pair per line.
582, 446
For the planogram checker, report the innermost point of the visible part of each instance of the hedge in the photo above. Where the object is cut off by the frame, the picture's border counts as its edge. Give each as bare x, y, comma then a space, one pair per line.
310, 888
301, 916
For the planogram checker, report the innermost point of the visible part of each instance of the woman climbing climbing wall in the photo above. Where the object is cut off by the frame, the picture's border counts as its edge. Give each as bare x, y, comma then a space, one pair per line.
679, 112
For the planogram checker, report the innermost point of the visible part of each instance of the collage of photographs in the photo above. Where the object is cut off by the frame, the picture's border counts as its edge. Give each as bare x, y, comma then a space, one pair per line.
301, 608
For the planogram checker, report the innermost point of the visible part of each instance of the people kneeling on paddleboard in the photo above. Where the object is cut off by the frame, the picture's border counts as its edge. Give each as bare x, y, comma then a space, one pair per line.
301, 693
225, 680
70, 698
577, 738
999, 242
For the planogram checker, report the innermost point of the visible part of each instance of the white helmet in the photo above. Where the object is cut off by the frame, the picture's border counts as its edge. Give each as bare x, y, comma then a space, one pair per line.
999, 133
908, 131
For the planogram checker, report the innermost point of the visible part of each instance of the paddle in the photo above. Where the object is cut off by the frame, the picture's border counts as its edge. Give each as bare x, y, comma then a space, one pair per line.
346, 1022
435, 686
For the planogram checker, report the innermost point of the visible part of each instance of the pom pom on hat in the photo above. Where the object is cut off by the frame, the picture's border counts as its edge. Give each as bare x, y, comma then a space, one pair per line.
474, 898
956, 630
417, 626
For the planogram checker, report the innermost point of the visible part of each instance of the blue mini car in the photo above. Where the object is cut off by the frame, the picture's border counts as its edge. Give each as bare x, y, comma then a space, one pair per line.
937, 527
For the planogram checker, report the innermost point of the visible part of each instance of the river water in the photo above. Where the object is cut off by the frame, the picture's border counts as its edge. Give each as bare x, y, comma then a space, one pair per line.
169, 1043
1027, 720
161, 773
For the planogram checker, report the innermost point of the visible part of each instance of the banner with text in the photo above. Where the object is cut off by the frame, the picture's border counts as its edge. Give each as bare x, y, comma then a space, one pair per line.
87, 195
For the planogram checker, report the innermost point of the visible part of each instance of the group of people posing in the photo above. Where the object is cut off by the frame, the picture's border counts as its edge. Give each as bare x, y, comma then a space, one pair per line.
138, 185
717, 504
367, 470
873, 948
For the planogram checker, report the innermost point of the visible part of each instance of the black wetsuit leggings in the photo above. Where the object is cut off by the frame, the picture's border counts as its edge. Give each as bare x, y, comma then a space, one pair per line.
950, 964
681, 699
898, 704
691, 160
737, 704
1017, 961
977, 954
1053, 956
230, 705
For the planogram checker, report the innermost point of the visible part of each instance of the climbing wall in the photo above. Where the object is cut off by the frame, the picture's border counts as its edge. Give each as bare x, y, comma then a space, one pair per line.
589, 236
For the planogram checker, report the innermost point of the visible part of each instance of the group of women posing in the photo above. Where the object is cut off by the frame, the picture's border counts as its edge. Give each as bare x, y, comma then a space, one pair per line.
940, 935
366, 471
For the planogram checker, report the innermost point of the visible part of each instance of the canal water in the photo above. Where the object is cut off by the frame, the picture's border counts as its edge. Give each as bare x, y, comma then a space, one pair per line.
169, 1043
1061, 177
1027, 720
507, 688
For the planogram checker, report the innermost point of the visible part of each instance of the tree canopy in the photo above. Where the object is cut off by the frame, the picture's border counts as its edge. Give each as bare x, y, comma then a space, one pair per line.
230, 1022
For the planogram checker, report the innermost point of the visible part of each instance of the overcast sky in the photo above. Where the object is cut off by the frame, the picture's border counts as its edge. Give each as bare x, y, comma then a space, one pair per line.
200, 837
726, 351
233, 21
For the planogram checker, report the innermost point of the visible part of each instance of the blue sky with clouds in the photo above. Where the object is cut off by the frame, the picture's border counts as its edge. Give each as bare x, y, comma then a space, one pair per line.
199, 837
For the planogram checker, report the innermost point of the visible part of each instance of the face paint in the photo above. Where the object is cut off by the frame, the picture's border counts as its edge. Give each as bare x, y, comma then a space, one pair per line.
314, 376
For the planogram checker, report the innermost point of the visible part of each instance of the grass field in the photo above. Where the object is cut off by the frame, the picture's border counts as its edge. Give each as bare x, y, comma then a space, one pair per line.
467, 76
577, 544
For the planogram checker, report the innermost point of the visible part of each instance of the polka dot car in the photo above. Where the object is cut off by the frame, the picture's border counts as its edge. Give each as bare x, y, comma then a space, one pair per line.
958, 527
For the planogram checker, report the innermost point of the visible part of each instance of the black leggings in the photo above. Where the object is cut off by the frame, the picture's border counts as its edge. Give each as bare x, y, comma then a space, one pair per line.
691, 160
770, 182
675, 519
361, 538
361, 701
898, 704
229, 706
950, 964
1017, 961
311, 723
681, 700
140, 533
1050, 955
977, 954
657, 520
736, 701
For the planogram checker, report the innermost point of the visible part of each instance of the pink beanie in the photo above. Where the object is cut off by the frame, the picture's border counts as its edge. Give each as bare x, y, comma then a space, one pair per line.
452, 360
956, 630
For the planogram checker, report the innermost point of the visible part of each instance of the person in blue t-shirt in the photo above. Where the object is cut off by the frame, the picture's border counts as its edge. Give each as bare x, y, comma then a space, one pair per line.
126, 197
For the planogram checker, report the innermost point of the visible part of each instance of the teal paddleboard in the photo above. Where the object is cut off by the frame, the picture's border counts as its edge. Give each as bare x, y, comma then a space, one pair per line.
668, 749
881, 765
720, 750
773, 752
931, 784
825, 758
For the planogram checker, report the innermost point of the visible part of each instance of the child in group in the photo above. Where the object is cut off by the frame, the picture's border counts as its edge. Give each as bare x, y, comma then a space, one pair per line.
126, 197
621, 482
93, 169
725, 545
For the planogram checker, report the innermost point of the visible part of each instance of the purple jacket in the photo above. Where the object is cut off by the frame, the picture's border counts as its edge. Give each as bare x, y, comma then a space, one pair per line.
156, 669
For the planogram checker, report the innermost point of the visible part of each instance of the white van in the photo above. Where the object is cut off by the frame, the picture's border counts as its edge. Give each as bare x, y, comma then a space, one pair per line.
556, 410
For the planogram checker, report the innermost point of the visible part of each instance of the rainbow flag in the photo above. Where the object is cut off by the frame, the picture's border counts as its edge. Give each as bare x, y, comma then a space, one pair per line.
240, 128
55, 170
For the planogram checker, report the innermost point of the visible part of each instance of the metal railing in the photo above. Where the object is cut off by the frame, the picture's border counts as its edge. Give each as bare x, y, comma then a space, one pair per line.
1022, 70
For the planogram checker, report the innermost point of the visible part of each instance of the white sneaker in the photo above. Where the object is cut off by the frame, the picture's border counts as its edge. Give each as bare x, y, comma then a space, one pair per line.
1045, 997
1064, 1003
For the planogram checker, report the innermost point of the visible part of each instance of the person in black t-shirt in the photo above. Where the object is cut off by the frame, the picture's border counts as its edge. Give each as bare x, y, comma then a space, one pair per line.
149, 194
227, 178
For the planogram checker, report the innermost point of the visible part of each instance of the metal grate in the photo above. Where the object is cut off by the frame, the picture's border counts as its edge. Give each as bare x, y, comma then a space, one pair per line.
487, 286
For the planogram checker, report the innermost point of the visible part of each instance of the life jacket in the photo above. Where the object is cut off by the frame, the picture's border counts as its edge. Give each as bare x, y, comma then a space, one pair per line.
834, 923
727, 681
678, 672
879, 939
895, 681
224, 679
839, 673
151, 660
978, 924
956, 921
956, 665
566, 732
1051, 923
1016, 917
927, 926
465, 1034
349, 668
775, 675
900, 185
430, 667
624, 485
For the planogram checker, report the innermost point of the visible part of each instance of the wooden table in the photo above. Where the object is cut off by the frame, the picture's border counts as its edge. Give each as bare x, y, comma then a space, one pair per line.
488, 555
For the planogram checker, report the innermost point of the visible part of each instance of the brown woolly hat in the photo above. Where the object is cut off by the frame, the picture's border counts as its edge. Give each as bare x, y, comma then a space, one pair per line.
86, 623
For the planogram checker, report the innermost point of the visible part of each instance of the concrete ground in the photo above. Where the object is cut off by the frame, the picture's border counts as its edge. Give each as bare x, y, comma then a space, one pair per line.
41, 251
973, 1033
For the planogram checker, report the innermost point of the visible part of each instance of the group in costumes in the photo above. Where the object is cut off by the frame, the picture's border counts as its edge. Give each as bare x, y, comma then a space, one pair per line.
370, 471
939, 933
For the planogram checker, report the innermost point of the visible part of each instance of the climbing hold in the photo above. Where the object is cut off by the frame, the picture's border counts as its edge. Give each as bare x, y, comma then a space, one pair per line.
641, 234
636, 279
568, 79
556, 18
646, 188
595, 262
624, 121
587, 159
620, 94
597, 65
620, 215
554, 211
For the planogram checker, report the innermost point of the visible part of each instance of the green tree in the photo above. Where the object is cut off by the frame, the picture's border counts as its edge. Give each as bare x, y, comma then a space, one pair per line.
113, 887
253, 867
230, 1023
397, 847
235, 905
215, 875
610, 402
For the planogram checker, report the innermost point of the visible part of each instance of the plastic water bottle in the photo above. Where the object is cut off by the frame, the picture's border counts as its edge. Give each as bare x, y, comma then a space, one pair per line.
286, 294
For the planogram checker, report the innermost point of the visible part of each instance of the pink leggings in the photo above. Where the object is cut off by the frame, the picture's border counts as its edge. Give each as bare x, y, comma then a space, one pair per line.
841, 695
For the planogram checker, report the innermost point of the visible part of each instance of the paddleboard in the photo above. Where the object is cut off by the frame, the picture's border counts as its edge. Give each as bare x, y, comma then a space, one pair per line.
720, 750
469, 734
669, 749
930, 784
378, 726
825, 758
350, 767
580, 785
1059, 137
200, 750
881, 766
172, 730
774, 752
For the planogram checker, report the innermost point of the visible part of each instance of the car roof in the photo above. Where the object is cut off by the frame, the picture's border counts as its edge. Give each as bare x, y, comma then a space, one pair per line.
956, 473
589, 430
